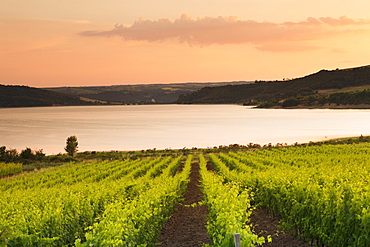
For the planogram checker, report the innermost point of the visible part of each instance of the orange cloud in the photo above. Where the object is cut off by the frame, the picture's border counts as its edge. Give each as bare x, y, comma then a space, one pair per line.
205, 31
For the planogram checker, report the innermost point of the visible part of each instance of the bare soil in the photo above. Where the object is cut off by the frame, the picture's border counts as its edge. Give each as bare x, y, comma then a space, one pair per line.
186, 227
265, 224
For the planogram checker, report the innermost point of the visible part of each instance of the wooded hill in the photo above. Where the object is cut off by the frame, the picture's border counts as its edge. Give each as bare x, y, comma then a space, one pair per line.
345, 88
339, 87
140, 93
23, 96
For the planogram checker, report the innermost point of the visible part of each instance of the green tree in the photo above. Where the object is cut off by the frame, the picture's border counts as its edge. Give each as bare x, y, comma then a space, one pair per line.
290, 102
39, 154
27, 154
71, 145
11, 155
2, 151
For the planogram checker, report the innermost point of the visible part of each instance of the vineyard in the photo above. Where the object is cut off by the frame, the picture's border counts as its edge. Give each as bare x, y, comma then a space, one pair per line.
7, 169
321, 194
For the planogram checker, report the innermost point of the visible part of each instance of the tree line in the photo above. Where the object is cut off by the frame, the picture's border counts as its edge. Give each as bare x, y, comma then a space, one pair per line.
28, 155
338, 99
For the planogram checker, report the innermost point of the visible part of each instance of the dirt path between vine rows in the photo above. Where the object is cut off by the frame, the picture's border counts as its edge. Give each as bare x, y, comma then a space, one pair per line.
265, 224
186, 227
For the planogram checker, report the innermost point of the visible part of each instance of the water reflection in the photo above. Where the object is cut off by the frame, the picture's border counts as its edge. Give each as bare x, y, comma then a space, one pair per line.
104, 128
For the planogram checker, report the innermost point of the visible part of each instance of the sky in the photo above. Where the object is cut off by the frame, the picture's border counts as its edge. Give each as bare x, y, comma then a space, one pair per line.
53, 43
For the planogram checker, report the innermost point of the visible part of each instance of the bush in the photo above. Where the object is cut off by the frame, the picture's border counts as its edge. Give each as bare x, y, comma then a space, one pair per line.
290, 102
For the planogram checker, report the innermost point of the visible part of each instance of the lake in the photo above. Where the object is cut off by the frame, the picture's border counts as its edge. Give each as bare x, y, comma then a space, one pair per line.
137, 127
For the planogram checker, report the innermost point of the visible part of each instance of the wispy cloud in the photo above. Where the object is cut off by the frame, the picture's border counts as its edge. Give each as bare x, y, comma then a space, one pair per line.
204, 31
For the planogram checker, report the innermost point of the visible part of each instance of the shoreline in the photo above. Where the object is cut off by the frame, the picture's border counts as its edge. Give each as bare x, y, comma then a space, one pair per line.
326, 106
330, 106
325, 141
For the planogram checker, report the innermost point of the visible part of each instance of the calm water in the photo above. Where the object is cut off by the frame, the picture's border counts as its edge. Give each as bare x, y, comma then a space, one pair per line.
105, 128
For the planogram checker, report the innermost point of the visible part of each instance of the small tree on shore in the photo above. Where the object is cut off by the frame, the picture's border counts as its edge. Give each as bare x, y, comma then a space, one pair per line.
27, 154
71, 145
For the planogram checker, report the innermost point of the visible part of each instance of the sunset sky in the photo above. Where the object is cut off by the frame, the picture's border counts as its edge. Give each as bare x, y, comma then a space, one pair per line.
112, 42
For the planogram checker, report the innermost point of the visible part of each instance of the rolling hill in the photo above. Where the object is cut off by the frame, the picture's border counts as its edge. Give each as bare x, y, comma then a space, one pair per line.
311, 90
340, 88
140, 93
23, 96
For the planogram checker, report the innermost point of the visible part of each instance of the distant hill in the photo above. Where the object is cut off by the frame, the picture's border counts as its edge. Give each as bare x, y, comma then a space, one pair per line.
318, 86
23, 96
340, 88
140, 93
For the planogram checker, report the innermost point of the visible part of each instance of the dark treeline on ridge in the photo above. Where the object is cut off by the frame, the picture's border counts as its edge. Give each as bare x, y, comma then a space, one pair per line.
23, 96
340, 87
140, 93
